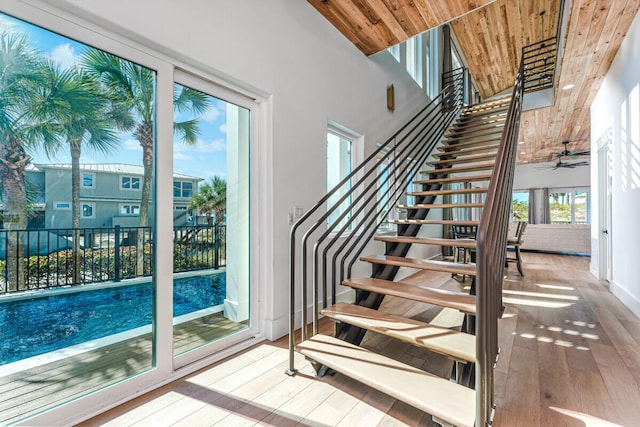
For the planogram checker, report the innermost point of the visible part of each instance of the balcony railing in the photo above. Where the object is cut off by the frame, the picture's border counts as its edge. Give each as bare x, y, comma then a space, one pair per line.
107, 254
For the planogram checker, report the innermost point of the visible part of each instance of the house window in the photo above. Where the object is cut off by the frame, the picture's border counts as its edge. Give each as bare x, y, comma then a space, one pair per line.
339, 166
129, 209
130, 183
520, 206
88, 210
569, 205
182, 189
62, 206
88, 180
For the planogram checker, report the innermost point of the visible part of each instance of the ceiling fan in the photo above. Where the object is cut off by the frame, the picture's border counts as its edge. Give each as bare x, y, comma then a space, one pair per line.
567, 153
572, 165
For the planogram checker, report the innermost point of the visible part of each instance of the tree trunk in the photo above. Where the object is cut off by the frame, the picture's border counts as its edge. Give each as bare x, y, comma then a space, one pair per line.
146, 141
13, 161
75, 209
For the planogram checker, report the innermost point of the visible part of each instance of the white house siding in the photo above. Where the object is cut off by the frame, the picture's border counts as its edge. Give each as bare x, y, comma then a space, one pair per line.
617, 107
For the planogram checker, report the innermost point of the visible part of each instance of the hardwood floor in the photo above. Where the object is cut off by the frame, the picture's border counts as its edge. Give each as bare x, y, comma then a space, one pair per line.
570, 356
55, 382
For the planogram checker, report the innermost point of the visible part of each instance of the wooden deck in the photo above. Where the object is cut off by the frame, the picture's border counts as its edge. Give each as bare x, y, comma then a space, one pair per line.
53, 383
570, 357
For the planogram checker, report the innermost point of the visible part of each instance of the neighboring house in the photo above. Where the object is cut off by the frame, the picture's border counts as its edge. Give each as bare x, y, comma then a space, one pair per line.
109, 195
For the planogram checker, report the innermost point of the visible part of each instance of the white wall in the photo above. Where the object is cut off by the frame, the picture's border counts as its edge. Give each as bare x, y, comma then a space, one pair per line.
617, 106
542, 175
286, 51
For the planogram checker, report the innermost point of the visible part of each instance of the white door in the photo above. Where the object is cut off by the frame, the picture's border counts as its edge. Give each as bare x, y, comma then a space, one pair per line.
604, 206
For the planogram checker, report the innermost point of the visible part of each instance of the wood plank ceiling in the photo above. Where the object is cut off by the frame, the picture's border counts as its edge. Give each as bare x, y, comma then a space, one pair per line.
374, 25
491, 35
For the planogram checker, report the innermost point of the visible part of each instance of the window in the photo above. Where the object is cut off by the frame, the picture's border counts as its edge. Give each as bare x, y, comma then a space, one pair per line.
63, 206
130, 183
179, 208
129, 209
339, 166
569, 205
182, 189
520, 206
88, 210
414, 58
395, 51
88, 180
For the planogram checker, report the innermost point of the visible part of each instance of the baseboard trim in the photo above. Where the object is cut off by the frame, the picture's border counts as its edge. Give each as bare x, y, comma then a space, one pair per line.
628, 299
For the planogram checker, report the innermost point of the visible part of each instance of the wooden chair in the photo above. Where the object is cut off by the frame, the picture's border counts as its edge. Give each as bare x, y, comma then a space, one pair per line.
462, 254
515, 243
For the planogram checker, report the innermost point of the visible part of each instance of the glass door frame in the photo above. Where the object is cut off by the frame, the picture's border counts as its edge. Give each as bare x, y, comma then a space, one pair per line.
93, 31
211, 88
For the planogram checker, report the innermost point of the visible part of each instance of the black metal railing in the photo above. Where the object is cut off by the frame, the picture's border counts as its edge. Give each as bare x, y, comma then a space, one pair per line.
540, 59
540, 64
102, 255
491, 253
344, 221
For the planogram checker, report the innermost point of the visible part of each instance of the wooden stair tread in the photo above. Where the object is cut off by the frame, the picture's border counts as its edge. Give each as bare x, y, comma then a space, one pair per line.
432, 221
472, 190
442, 206
479, 122
441, 297
465, 150
496, 131
472, 127
423, 264
460, 169
461, 243
475, 143
463, 159
439, 397
457, 345
468, 178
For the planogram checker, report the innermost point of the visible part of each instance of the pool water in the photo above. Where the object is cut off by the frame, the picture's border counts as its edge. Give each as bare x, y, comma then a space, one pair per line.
39, 325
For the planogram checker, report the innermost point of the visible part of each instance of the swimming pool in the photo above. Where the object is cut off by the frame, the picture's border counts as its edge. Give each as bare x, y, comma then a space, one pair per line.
38, 325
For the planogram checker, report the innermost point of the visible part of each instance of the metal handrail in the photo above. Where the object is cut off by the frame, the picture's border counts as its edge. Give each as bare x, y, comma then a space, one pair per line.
491, 252
405, 151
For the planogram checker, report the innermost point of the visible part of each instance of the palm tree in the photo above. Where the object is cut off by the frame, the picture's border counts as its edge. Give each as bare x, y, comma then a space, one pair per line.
211, 198
72, 101
18, 132
130, 88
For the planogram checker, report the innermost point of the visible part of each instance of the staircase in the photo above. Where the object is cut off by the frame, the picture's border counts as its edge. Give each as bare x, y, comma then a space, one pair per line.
471, 169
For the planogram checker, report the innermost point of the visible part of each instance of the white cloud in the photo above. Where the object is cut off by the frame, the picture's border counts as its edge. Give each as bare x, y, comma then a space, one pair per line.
87, 160
64, 55
180, 156
211, 174
211, 114
201, 146
132, 144
223, 128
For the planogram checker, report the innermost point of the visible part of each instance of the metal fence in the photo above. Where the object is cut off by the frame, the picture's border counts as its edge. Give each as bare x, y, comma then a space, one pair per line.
50, 258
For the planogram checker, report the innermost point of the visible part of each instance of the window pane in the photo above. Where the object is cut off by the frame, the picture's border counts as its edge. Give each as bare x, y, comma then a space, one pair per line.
81, 339
87, 180
187, 189
560, 207
211, 287
338, 168
135, 183
581, 206
520, 206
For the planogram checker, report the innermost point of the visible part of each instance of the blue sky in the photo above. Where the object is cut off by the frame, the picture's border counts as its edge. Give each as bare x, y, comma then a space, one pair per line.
205, 159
